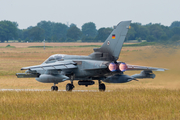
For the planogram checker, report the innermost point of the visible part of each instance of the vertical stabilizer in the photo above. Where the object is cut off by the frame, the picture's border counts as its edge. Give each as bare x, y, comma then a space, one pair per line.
113, 44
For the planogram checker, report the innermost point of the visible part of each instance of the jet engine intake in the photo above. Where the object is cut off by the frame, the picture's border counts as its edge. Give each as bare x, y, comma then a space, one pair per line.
118, 79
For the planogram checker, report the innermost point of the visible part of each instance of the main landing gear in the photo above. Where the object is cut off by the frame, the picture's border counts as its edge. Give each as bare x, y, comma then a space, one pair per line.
70, 86
102, 86
54, 88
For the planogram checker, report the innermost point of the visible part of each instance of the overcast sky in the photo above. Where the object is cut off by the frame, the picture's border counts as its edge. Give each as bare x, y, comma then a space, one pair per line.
104, 13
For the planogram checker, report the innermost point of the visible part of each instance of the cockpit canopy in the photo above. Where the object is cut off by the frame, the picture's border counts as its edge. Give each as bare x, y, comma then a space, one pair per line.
54, 58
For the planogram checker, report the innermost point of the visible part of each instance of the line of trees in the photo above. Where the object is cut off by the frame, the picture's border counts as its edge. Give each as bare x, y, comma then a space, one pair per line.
8, 30
58, 32
154, 32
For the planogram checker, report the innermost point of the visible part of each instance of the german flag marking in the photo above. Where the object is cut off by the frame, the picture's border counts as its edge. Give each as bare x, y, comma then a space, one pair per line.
113, 36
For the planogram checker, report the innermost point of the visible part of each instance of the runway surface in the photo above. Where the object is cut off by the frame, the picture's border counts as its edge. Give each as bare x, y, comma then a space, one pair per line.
18, 90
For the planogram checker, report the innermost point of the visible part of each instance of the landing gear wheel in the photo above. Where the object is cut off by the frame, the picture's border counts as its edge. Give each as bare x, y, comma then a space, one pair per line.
73, 86
69, 87
54, 88
102, 87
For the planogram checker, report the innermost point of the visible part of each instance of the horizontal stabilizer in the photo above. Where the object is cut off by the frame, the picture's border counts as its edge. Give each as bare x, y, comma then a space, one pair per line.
135, 67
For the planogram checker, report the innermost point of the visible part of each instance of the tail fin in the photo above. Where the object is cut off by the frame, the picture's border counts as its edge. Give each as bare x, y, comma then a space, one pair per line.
113, 44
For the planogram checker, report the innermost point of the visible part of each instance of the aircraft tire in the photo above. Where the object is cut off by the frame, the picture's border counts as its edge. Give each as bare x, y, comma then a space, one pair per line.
56, 88
69, 87
102, 87
52, 88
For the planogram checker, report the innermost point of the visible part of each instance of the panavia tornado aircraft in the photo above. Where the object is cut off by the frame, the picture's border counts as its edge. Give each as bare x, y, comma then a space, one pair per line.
101, 65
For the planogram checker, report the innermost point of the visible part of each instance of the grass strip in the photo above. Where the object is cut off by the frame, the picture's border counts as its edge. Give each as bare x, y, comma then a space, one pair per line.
123, 104
124, 45
140, 44
40, 47
8, 46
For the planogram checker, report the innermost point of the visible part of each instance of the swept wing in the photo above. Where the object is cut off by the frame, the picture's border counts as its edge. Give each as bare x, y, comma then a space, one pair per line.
53, 66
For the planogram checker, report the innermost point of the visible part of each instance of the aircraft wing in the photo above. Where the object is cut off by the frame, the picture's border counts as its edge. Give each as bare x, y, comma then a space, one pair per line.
135, 67
54, 66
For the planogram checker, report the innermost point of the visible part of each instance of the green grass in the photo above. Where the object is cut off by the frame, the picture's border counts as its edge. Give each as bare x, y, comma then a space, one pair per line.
120, 104
140, 44
80, 46
97, 46
63, 46
89, 46
8, 46
40, 47
83, 46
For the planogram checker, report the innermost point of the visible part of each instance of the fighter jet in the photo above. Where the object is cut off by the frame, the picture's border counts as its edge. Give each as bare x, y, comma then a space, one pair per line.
101, 65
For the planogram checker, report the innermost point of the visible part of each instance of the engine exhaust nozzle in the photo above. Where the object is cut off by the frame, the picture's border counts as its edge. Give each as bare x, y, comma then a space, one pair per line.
122, 67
